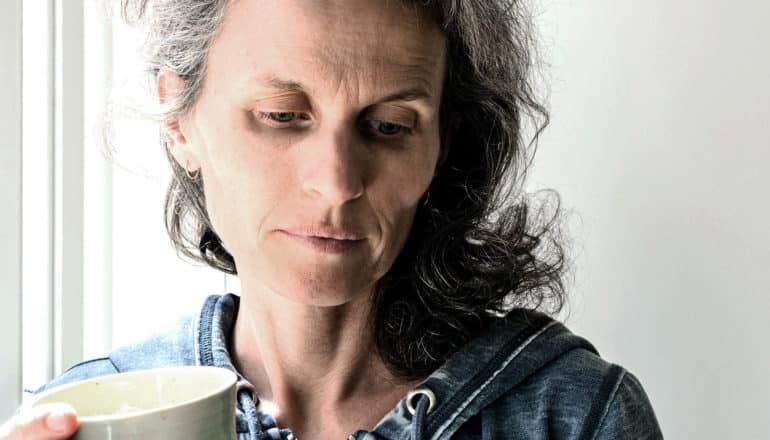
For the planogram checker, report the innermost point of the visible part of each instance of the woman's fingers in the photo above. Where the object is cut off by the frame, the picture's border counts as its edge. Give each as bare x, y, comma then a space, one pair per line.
46, 422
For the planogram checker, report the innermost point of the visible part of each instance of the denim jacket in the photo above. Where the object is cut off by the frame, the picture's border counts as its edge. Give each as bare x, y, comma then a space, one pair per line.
525, 377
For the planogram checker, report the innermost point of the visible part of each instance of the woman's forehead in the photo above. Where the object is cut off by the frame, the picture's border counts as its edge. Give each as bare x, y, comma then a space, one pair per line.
366, 44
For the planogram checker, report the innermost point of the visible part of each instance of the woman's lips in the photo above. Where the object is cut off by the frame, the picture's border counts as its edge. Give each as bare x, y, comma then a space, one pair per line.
324, 244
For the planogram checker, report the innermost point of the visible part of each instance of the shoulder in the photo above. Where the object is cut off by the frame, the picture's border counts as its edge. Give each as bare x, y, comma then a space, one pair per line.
627, 413
173, 347
577, 395
529, 374
81, 371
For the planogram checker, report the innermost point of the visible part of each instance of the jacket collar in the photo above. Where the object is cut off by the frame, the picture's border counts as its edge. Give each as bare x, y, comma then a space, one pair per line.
505, 354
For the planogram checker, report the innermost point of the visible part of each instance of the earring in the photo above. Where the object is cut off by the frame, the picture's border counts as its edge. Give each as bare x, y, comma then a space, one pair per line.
194, 175
427, 197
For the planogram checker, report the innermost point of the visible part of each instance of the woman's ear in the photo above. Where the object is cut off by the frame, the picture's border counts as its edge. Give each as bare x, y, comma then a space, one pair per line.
170, 86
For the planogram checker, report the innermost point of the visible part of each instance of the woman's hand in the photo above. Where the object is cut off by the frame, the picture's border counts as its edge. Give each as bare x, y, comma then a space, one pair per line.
52, 421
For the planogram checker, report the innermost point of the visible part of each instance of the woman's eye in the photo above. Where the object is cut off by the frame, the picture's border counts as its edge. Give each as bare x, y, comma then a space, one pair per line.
288, 120
386, 128
282, 117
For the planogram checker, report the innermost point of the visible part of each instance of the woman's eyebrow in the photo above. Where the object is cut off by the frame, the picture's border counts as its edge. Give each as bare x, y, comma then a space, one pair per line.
416, 93
273, 82
413, 94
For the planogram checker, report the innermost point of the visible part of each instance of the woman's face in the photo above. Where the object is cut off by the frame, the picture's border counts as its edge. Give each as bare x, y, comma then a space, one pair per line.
317, 134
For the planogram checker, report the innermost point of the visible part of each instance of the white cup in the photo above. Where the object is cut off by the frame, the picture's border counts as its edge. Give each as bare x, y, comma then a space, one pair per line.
190, 403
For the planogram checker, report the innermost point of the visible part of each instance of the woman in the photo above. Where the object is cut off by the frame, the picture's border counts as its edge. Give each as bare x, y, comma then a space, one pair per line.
349, 160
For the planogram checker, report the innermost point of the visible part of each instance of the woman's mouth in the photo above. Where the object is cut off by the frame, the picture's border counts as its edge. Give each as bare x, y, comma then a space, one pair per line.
327, 245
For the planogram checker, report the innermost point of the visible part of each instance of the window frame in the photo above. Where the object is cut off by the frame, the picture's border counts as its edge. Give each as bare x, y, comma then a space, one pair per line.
10, 200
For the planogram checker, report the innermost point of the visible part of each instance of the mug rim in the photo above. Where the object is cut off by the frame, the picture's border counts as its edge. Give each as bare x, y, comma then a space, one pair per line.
232, 380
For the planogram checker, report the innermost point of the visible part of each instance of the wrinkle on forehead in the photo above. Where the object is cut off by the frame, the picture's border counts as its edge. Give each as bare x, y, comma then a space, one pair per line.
419, 71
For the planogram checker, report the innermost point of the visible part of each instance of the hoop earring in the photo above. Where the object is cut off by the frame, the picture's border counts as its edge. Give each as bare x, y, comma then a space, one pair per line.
427, 197
194, 175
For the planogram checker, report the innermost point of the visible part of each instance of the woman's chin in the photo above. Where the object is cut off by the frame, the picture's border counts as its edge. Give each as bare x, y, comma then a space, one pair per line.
310, 279
321, 289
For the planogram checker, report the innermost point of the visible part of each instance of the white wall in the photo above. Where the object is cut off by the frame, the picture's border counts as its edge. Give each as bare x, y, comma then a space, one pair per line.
660, 145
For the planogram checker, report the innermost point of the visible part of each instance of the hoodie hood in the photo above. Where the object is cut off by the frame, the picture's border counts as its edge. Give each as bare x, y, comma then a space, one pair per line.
508, 352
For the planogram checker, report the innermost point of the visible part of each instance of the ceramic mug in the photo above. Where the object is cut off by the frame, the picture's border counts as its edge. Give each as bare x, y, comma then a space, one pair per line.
190, 403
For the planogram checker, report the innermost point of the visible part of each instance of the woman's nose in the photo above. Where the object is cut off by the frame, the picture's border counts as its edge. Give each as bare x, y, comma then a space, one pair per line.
333, 169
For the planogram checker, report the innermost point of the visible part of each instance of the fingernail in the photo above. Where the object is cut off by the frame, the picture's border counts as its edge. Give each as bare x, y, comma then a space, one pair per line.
59, 420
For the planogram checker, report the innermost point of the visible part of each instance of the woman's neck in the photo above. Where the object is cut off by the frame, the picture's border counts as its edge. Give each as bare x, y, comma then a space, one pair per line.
318, 365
